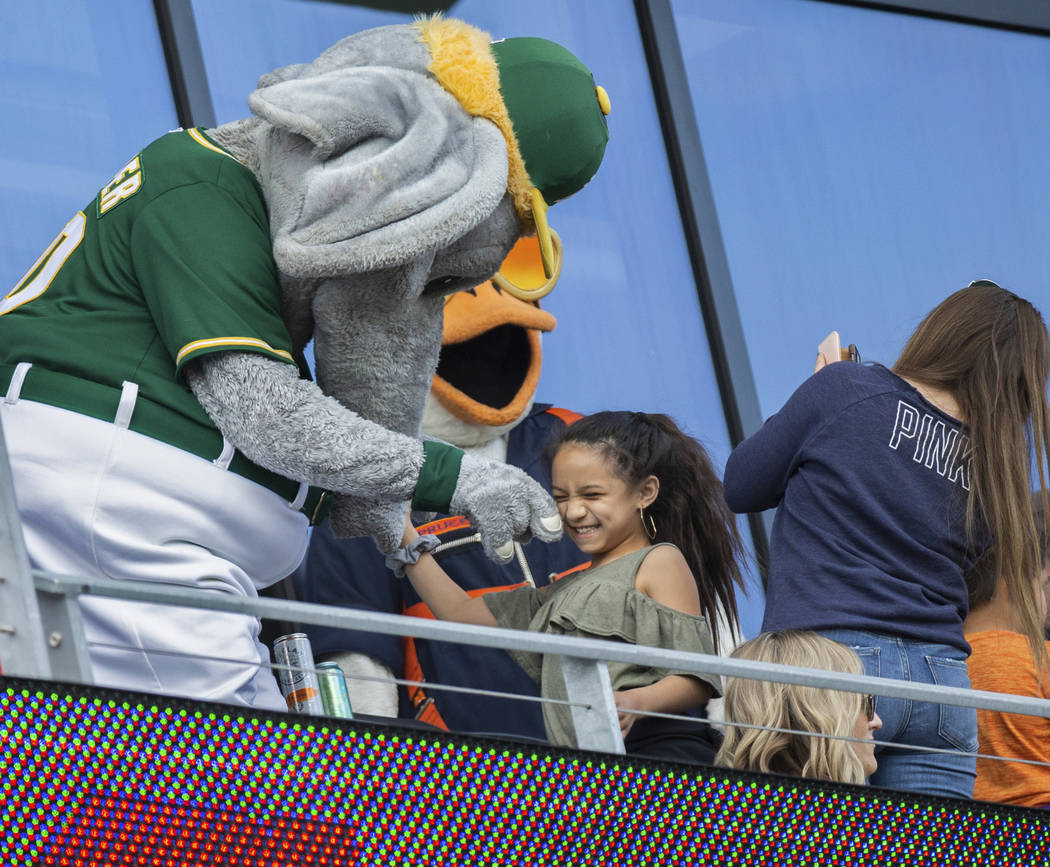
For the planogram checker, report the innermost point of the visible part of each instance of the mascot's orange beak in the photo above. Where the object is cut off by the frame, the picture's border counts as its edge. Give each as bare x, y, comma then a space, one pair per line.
490, 348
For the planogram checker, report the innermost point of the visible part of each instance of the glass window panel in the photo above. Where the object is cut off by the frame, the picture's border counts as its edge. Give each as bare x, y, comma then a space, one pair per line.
865, 164
630, 334
86, 87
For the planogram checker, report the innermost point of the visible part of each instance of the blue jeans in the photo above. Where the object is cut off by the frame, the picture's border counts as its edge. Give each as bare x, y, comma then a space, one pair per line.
918, 723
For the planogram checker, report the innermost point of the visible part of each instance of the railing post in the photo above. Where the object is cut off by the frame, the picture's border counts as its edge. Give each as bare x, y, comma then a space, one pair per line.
63, 629
597, 724
23, 650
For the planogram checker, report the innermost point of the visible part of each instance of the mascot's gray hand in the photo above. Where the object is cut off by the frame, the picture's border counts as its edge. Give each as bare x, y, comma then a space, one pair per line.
504, 504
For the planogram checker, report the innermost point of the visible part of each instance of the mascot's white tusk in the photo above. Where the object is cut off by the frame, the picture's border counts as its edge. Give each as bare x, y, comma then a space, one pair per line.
543, 231
551, 524
538, 292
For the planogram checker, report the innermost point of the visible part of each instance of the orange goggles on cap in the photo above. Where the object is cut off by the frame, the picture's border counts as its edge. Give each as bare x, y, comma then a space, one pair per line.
529, 272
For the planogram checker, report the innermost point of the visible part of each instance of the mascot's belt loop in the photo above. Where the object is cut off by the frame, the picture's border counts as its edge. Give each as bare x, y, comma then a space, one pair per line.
14, 389
300, 498
224, 460
129, 394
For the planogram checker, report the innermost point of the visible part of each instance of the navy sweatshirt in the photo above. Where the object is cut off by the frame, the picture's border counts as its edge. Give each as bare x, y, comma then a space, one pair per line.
871, 482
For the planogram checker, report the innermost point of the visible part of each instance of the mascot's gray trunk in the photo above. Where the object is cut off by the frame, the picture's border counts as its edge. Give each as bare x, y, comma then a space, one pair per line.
377, 359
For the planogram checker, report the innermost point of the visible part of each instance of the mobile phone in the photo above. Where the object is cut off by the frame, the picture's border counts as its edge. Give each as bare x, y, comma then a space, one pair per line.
831, 347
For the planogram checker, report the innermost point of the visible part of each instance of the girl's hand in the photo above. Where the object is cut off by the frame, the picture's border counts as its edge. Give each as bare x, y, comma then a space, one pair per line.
631, 700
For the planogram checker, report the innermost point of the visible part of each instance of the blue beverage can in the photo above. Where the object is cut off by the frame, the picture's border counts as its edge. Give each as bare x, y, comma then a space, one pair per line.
334, 694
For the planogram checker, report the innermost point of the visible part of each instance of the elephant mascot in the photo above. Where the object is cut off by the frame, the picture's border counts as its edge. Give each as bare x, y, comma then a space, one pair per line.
161, 424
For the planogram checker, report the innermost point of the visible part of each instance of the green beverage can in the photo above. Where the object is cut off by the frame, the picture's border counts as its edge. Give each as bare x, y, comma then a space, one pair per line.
334, 694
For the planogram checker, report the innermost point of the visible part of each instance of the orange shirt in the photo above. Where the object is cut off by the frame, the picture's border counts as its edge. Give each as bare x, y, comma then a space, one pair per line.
1002, 662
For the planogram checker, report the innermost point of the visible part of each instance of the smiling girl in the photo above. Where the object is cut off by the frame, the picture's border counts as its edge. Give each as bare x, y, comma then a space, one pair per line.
642, 499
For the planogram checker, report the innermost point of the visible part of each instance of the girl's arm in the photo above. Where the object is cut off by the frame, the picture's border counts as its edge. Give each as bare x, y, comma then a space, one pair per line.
672, 694
444, 596
664, 576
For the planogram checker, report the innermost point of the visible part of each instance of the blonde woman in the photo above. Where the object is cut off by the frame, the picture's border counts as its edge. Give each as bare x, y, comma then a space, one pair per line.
801, 708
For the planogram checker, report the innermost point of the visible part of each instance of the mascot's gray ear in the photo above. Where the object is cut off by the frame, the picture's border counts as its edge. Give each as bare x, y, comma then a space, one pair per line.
398, 168
335, 111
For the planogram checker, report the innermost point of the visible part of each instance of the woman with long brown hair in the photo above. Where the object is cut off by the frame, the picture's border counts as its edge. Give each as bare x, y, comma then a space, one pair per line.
890, 485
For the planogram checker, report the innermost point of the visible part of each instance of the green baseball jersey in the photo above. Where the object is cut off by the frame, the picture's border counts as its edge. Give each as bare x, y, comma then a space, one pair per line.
171, 261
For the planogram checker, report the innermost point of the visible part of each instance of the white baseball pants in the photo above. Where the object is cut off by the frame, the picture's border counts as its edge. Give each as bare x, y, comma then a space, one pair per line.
98, 499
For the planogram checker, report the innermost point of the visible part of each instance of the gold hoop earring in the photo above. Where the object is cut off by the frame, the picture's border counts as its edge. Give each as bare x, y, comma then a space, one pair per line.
650, 533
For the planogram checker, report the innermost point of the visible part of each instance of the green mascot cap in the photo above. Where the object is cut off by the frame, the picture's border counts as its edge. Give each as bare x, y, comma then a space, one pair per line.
557, 111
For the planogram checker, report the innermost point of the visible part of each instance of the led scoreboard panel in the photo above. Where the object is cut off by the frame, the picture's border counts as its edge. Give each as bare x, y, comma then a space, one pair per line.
99, 777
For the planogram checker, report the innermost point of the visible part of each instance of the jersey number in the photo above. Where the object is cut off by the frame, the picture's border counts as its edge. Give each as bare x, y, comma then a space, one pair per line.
44, 269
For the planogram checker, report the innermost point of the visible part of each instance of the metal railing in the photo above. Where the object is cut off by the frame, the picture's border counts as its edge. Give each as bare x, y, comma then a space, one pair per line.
42, 636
